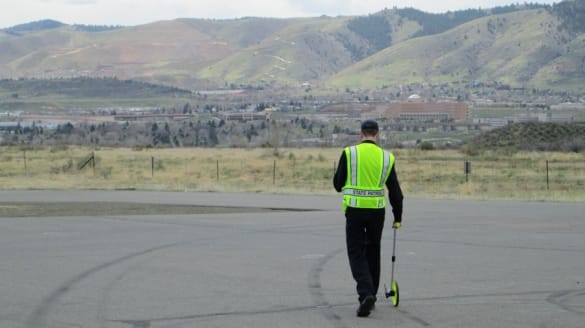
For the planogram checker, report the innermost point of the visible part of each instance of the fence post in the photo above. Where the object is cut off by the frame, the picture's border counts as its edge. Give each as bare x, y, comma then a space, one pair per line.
217, 169
547, 185
274, 173
90, 160
24, 158
152, 166
334, 168
467, 168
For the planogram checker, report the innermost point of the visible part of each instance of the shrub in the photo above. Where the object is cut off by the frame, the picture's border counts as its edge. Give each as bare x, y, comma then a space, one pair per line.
575, 145
425, 145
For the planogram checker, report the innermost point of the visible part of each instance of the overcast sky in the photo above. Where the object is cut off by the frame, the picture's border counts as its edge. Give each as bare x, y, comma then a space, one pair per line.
136, 12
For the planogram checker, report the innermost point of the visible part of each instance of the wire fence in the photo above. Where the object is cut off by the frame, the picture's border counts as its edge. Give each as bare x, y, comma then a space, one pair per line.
435, 174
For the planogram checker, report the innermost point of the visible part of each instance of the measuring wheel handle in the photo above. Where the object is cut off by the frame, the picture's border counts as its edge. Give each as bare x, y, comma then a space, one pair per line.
393, 293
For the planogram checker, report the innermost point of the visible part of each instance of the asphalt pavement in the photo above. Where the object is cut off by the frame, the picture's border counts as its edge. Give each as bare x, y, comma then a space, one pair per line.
460, 263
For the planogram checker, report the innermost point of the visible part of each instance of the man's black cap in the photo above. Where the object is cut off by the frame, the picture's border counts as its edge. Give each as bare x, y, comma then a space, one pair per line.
369, 125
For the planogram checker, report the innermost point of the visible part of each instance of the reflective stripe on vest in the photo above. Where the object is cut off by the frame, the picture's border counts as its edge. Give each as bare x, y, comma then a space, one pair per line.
353, 160
353, 156
364, 193
364, 187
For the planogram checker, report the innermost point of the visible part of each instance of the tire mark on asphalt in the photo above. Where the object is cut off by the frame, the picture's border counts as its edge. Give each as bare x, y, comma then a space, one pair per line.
453, 297
321, 304
563, 297
102, 306
480, 245
414, 318
314, 284
146, 322
38, 317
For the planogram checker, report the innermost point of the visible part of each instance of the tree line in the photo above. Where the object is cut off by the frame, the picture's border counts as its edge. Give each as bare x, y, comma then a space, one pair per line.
48, 24
571, 13
210, 132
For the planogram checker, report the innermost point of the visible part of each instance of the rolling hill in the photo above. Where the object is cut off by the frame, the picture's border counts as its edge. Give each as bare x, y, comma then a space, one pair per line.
523, 46
533, 136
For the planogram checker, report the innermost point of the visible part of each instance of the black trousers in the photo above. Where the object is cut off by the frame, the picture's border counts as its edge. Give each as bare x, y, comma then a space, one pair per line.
363, 232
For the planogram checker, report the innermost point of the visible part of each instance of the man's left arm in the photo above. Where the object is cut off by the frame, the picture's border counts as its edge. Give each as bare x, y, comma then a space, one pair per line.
341, 173
395, 196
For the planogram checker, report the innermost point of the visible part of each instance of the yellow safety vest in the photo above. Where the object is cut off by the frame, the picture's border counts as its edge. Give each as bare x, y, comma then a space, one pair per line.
368, 168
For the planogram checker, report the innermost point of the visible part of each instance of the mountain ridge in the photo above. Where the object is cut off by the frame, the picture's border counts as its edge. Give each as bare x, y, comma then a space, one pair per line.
524, 46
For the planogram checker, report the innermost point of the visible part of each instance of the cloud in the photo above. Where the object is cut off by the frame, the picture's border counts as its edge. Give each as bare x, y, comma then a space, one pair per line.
320, 7
135, 12
81, 2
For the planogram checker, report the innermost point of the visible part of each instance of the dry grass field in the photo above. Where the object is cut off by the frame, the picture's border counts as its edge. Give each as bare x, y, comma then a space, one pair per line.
426, 174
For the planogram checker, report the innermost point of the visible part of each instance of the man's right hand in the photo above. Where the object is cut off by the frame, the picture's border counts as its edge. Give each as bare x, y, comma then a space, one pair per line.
396, 225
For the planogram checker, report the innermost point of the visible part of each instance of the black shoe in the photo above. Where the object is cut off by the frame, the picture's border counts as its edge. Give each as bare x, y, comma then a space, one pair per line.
366, 306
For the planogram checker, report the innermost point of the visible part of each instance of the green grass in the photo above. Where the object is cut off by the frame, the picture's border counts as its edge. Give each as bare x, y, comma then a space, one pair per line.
428, 174
41, 104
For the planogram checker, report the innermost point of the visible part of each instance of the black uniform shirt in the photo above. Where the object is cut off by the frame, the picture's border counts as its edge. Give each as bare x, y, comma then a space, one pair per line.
394, 192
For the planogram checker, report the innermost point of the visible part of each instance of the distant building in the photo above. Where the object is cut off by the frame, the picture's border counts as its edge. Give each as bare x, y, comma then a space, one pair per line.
247, 116
426, 111
412, 110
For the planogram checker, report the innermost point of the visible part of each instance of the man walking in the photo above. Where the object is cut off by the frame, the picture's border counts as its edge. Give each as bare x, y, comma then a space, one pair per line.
362, 173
